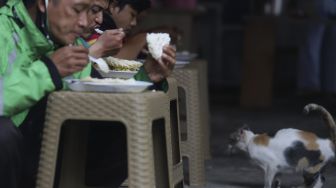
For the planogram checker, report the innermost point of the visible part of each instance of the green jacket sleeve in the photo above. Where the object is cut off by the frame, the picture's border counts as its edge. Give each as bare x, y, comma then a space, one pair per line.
24, 80
25, 86
143, 76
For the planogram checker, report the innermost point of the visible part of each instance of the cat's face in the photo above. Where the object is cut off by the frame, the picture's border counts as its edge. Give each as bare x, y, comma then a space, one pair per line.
237, 138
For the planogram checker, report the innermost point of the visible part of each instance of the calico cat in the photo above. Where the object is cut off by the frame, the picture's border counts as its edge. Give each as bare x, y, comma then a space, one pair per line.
290, 149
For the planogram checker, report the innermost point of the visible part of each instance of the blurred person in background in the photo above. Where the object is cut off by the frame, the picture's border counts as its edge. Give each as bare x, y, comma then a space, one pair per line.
120, 16
317, 57
112, 39
124, 15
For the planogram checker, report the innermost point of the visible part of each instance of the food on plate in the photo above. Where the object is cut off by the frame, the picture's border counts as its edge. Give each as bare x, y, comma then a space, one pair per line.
122, 64
109, 80
155, 42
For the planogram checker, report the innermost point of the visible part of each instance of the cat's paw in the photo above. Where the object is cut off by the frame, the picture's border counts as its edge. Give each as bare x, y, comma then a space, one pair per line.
277, 183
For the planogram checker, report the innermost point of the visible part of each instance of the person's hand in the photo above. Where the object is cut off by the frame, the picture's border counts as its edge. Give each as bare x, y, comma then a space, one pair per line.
159, 70
108, 44
70, 59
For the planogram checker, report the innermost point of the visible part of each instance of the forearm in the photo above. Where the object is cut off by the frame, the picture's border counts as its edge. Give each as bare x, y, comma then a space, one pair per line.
96, 51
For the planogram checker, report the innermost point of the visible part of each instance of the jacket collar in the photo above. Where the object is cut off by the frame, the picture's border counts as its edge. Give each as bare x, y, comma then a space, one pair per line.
37, 42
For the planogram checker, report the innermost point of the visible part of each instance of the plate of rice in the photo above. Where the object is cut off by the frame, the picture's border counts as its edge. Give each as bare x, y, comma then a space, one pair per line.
112, 85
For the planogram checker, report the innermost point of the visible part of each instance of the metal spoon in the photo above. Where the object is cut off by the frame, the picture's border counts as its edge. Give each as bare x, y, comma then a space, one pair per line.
102, 65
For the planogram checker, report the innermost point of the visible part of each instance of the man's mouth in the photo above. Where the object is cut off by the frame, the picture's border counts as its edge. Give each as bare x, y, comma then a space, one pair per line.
127, 31
77, 34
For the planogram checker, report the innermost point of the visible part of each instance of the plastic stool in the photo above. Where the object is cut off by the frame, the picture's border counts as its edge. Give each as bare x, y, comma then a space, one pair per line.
202, 67
175, 130
148, 143
192, 146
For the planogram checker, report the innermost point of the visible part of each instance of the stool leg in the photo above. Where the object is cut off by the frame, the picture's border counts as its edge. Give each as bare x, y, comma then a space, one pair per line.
195, 140
196, 165
140, 156
72, 172
160, 153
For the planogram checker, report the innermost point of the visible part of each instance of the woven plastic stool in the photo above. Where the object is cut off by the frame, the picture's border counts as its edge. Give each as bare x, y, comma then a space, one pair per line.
202, 67
175, 130
148, 143
191, 144
175, 135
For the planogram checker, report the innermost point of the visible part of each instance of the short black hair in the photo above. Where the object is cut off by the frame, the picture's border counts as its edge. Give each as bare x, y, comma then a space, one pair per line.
137, 5
29, 3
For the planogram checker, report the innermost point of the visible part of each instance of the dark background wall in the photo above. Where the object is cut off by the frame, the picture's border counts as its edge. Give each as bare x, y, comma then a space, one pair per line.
219, 33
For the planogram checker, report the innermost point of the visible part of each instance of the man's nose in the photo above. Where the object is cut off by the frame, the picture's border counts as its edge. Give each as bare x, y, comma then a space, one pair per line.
134, 22
99, 19
83, 20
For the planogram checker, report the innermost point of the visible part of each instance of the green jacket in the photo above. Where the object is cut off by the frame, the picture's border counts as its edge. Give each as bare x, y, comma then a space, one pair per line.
26, 74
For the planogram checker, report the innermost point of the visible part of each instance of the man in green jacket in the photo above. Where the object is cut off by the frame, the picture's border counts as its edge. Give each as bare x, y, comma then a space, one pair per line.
37, 52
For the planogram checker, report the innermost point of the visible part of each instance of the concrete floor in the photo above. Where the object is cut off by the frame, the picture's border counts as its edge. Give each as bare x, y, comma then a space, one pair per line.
237, 171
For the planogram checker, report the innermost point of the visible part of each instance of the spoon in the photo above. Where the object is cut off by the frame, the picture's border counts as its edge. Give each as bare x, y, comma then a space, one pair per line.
99, 31
102, 65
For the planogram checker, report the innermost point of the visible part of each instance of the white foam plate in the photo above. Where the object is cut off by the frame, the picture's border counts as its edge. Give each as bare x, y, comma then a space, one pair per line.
134, 87
181, 64
185, 56
117, 74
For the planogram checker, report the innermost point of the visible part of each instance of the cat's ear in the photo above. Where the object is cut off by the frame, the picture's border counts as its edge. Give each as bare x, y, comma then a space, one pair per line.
241, 131
246, 127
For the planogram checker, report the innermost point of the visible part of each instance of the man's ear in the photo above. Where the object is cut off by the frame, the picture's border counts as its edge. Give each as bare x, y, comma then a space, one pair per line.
113, 8
113, 3
41, 5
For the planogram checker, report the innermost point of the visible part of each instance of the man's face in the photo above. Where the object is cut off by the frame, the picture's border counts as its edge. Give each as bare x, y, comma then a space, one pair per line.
125, 18
67, 19
95, 16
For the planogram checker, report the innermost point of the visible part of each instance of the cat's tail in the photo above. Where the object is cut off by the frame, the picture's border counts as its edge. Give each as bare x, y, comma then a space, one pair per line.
326, 116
